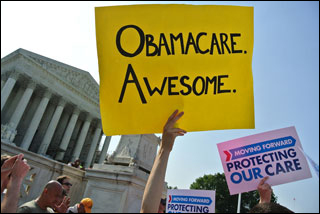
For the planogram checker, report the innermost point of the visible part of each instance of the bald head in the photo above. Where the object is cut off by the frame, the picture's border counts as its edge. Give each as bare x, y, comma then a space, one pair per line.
52, 193
53, 185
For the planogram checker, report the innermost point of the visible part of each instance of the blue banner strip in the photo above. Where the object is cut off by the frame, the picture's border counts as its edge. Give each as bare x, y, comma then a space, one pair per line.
182, 199
262, 147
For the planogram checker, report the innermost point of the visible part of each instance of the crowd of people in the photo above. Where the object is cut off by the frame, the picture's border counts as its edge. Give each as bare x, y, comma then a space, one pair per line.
76, 164
55, 195
53, 199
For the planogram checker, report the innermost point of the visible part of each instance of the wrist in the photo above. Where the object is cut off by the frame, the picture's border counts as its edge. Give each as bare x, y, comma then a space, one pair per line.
264, 201
164, 150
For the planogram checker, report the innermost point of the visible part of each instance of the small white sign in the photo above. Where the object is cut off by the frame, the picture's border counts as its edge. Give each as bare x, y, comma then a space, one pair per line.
190, 201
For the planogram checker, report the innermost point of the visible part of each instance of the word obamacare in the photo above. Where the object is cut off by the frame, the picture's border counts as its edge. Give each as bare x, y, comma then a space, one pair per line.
223, 43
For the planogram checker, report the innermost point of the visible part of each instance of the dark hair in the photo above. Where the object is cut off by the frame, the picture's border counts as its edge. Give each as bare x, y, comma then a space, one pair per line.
163, 201
269, 208
61, 178
4, 158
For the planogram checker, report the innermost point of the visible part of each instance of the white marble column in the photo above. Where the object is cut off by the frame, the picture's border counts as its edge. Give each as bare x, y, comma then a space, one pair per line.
104, 151
21, 107
81, 139
7, 88
33, 126
51, 128
67, 134
93, 146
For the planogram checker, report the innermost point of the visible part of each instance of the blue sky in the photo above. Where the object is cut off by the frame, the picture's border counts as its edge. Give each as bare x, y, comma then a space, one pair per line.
285, 71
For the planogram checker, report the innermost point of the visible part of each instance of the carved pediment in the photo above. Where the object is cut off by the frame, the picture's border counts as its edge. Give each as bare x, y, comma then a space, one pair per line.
79, 79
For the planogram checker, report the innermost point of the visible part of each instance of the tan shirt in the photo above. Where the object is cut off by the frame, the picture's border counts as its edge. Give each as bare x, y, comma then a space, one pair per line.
33, 207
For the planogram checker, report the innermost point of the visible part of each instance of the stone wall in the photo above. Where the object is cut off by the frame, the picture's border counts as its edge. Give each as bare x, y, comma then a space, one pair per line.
43, 170
113, 188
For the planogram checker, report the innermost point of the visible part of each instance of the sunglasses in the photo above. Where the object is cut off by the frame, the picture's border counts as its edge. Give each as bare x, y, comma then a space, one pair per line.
67, 184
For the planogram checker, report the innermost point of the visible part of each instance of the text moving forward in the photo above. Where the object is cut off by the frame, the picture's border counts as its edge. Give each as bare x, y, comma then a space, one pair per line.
190, 200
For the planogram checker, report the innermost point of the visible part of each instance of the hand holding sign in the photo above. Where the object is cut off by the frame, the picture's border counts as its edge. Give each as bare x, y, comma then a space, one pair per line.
170, 133
265, 191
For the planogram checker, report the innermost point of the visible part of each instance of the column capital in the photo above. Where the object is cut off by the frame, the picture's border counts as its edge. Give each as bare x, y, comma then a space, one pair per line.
99, 125
88, 118
47, 94
32, 85
62, 102
14, 75
76, 111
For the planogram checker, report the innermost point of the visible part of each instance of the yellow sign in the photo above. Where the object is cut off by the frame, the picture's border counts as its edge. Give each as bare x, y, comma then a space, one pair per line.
154, 59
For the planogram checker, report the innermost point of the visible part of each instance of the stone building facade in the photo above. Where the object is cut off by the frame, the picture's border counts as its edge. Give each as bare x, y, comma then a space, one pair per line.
50, 112
50, 108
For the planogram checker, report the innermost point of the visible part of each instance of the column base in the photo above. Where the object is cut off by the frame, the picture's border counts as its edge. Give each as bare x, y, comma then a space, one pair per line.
8, 133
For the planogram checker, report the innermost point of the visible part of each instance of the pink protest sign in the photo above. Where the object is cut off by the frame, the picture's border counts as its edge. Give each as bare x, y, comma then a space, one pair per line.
277, 154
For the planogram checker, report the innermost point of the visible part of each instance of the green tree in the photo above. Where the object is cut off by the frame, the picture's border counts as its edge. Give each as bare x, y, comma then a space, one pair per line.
226, 203
170, 187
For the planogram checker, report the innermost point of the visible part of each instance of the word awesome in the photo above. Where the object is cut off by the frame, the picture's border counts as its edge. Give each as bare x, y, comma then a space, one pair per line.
198, 86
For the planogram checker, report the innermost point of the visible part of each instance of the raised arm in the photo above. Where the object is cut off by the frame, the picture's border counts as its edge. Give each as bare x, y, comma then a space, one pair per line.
11, 198
153, 190
6, 169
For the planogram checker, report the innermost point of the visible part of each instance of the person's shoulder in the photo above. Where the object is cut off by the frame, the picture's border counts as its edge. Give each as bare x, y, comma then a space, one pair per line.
31, 207
73, 209
26, 207
29, 204
50, 210
24, 210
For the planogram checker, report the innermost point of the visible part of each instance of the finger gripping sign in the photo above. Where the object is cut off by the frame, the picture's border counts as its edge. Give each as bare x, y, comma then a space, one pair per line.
277, 154
154, 59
